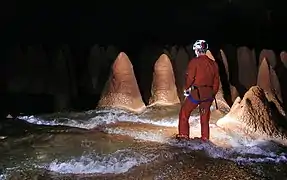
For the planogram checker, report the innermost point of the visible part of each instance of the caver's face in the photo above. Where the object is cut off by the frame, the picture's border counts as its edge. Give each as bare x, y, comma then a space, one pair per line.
196, 52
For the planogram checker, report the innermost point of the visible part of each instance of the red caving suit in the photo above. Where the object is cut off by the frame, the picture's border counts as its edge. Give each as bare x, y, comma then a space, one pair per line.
202, 72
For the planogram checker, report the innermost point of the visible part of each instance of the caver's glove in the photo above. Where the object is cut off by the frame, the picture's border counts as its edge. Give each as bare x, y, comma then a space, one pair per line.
186, 92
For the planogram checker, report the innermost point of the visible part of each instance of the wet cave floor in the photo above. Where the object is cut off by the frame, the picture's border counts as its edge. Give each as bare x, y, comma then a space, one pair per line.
113, 144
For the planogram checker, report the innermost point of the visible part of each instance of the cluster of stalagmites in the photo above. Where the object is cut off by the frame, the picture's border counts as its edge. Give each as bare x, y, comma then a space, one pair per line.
122, 91
260, 110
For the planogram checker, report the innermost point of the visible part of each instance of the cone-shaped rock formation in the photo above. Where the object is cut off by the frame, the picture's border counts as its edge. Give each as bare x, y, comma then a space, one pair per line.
283, 56
270, 57
122, 90
209, 54
268, 80
225, 62
221, 102
164, 91
180, 64
255, 117
233, 91
247, 68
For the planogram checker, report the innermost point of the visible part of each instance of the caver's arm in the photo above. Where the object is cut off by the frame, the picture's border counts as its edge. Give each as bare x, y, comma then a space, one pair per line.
190, 73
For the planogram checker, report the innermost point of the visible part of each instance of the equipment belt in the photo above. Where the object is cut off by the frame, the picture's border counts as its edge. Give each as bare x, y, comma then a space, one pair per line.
199, 101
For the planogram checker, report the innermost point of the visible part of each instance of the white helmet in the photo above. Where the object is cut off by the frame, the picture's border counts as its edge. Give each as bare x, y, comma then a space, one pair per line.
200, 45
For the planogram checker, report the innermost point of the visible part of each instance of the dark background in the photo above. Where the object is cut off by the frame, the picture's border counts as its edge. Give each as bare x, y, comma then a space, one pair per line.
128, 26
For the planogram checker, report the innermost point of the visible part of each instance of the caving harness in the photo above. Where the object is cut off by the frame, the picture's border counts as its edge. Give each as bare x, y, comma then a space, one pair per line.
193, 87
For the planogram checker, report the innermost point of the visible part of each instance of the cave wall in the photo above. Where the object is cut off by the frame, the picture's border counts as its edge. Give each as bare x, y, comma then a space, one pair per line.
57, 60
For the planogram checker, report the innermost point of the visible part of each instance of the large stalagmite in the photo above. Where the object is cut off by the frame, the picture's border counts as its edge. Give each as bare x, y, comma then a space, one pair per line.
121, 90
255, 117
247, 68
164, 91
270, 57
268, 80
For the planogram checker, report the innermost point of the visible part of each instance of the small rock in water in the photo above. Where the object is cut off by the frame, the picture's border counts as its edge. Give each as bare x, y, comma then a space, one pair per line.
3, 137
9, 116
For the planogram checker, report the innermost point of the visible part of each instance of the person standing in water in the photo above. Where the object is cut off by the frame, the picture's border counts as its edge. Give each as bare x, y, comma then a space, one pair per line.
202, 84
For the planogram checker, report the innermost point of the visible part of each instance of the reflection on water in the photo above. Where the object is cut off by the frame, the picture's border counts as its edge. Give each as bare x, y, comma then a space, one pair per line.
111, 143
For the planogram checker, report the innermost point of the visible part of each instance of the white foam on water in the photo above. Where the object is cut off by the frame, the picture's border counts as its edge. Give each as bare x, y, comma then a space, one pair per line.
3, 177
102, 117
242, 146
145, 135
238, 153
248, 160
118, 162
6, 173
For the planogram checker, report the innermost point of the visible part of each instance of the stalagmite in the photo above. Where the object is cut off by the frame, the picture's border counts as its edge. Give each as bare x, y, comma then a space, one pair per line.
209, 54
283, 57
221, 102
233, 91
247, 68
225, 62
268, 80
164, 91
269, 55
179, 66
121, 90
255, 117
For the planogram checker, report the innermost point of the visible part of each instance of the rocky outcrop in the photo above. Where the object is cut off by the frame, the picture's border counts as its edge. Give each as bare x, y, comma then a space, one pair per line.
255, 116
246, 63
269, 55
121, 90
164, 91
268, 80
